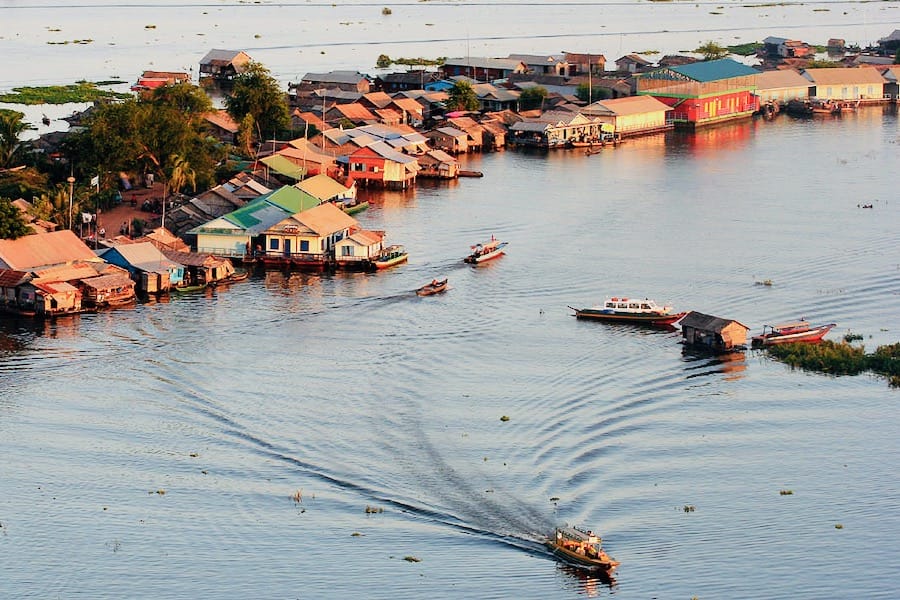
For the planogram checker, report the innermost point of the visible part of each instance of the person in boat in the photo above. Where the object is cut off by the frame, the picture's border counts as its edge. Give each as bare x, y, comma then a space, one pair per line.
434, 282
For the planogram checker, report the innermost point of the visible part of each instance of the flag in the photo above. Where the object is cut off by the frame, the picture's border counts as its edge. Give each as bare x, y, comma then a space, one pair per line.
95, 180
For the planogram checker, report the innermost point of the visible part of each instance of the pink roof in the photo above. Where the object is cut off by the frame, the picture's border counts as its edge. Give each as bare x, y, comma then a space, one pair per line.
44, 249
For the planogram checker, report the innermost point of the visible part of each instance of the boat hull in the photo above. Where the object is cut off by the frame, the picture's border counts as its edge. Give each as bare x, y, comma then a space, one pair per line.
390, 262
581, 561
431, 289
812, 335
618, 317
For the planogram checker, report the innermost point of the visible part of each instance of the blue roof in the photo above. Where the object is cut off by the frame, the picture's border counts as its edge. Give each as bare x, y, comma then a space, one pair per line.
714, 70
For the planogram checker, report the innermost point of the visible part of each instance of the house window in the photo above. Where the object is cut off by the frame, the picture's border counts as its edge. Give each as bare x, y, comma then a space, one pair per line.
357, 167
304, 245
273, 243
346, 250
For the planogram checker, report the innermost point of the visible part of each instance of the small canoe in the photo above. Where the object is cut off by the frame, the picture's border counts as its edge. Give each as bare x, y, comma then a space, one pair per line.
435, 287
392, 255
183, 289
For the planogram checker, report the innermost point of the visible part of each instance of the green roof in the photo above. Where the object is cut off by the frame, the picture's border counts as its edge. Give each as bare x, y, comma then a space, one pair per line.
291, 199
714, 70
283, 166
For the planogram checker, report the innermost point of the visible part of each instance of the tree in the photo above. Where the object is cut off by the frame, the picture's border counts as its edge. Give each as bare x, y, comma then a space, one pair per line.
11, 127
462, 97
532, 98
53, 206
384, 61
712, 51
185, 97
12, 223
596, 93
181, 174
258, 94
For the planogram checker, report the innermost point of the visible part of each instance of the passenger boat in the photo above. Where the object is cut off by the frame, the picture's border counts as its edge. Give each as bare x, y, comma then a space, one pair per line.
630, 310
435, 287
390, 256
788, 333
581, 549
486, 251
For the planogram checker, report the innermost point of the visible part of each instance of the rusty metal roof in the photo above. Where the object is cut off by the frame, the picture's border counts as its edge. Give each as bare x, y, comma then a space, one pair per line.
44, 249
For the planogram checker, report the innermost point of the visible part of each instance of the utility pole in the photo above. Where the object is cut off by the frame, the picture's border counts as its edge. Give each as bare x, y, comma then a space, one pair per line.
71, 180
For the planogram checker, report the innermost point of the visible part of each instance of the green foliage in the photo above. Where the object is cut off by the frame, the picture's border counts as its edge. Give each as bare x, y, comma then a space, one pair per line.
462, 97
745, 49
22, 183
824, 64
532, 98
11, 126
384, 61
82, 91
258, 94
712, 51
840, 358
12, 223
596, 93
185, 97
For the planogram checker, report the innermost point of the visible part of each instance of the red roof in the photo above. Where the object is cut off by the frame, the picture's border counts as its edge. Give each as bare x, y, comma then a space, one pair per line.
44, 249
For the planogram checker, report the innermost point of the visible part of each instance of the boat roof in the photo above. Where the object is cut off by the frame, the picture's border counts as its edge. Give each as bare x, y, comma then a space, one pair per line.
577, 534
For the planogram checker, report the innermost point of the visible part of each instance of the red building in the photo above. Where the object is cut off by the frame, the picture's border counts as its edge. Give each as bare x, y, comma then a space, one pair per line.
703, 93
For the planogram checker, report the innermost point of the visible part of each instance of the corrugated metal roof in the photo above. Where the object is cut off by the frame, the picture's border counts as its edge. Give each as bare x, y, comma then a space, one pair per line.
853, 76
105, 282
144, 256
631, 105
12, 278
326, 219
698, 320
714, 70
322, 187
780, 78
43, 249
283, 166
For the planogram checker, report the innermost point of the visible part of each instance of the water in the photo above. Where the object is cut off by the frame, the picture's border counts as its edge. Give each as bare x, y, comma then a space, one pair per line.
154, 452
159, 451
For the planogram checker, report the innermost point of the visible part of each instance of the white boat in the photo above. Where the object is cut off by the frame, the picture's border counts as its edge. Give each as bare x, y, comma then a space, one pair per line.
486, 251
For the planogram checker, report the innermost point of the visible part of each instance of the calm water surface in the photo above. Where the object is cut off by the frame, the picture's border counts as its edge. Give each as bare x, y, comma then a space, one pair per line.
155, 452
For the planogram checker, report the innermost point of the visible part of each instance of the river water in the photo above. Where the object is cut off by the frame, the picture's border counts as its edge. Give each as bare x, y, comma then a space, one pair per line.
321, 436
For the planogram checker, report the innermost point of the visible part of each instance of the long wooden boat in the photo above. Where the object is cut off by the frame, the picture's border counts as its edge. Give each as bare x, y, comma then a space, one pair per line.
435, 287
630, 310
352, 209
489, 250
581, 549
189, 288
390, 256
788, 333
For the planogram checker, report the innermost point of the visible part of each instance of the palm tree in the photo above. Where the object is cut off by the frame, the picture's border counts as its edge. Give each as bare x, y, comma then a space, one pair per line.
53, 206
181, 174
11, 126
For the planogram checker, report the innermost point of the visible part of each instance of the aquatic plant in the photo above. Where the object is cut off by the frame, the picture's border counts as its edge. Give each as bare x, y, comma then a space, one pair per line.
852, 337
786, 492
370, 510
81, 91
689, 508
504, 418
412, 559
838, 526
386, 11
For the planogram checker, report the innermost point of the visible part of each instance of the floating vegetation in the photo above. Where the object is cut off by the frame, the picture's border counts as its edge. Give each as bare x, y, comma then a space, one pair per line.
838, 526
745, 49
852, 337
689, 508
412, 559
765, 282
504, 418
786, 492
356, 534
161, 492
841, 359
82, 91
194, 454
715, 12
386, 11
149, 26
370, 510
67, 42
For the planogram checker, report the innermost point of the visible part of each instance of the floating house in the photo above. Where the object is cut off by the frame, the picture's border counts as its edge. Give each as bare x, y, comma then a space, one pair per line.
703, 93
224, 65
865, 84
555, 129
305, 240
148, 267
482, 69
631, 116
780, 86
381, 165
713, 333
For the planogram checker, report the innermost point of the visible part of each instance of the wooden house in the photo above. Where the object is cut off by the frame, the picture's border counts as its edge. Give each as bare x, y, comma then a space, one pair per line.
374, 100
215, 202
449, 139
306, 239
437, 164
473, 129
310, 157
712, 333
304, 120
633, 63
358, 249
492, 98
24, 293
354, 114
631, 116
38, 251
494, 137
201, 268
221, 126
779, 47
351, 81
223, 65
541, 64
479, 68
151, 80
112, 288
325, 189
889, 44
555, 129
892, 79
406, 80
582, 64
148, 267
411, 111
381, 165
703, 93
780, 86
865, 84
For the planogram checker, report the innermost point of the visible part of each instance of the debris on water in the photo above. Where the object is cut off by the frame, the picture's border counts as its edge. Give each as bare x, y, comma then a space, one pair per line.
504, 418
838, 526
689, 508
297, 496
765, 282
373, 509
786, 492
356, 534
412, 559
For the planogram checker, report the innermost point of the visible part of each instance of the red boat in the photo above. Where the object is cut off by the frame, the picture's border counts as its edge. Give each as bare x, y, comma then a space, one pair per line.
788, 333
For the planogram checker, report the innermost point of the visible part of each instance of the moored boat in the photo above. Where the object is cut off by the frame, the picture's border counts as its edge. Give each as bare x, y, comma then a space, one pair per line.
390, 256
581, 549
630, 310
486, 251
435, 287
788, 333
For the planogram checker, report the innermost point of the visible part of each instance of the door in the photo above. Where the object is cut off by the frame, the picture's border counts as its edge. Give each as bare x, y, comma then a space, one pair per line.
287, 247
